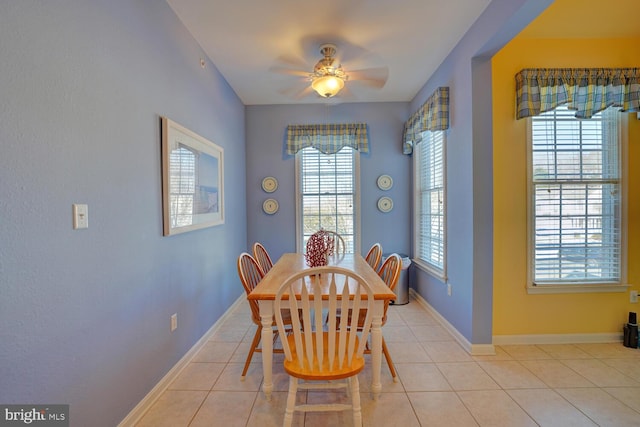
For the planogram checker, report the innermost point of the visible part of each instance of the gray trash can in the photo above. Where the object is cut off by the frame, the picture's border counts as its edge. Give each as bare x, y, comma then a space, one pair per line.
402, 288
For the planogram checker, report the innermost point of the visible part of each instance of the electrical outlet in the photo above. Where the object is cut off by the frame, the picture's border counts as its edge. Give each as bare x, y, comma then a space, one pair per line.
633, 297
174, 322
449, 289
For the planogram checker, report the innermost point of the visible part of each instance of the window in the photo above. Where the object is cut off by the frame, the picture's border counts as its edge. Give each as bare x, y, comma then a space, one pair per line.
576, 198
430, 203
327, 186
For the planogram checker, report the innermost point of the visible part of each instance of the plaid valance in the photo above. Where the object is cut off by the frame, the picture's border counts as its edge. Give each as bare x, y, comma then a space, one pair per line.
586, 90
327, 138
433, 115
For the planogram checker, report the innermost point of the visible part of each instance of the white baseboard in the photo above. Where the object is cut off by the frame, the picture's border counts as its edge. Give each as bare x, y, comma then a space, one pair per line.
488, 349
141, 408
473, 349
557, 338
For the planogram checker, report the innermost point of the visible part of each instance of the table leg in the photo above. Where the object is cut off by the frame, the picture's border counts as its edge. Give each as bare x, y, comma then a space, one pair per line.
266, 314
376, 348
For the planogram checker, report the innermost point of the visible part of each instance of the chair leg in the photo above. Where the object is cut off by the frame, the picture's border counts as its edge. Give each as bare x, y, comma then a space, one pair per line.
385, 351
355, 401
254, 345
291, 402
387, 356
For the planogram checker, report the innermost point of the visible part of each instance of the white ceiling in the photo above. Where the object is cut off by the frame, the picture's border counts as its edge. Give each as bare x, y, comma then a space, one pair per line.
249, 40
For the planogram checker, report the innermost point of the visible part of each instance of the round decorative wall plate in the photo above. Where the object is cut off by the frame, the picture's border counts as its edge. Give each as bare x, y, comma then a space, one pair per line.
269, 184
270, 206
385, 204
385, 182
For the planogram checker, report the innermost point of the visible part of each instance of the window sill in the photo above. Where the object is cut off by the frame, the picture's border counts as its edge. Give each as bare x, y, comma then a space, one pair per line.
437, 273
575, 289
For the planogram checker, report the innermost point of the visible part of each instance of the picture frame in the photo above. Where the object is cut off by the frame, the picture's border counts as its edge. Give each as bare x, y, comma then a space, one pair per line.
192, 180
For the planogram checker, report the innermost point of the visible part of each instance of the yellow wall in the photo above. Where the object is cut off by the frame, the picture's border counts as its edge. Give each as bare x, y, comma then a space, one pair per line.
515, 311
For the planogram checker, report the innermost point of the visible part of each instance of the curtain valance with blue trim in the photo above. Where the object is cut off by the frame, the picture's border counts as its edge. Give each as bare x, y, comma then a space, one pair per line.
585, 90
327, 138
433, 115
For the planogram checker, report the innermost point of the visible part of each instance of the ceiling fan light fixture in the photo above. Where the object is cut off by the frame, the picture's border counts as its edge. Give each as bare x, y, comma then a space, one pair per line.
327, 86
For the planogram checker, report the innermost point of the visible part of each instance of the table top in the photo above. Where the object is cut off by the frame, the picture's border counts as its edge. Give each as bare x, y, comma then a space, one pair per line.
291, 263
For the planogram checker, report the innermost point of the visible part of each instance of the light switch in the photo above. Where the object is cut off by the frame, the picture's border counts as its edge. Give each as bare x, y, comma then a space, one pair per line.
80, 216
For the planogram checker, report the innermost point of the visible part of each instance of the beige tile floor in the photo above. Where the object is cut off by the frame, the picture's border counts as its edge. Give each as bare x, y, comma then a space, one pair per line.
440, 384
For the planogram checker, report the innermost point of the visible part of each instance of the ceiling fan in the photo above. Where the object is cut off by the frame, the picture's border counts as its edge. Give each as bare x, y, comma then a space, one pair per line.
328, 77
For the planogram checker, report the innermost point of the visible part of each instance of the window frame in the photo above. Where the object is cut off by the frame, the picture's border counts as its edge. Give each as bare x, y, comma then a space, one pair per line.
565, 287
300, 244
423, 264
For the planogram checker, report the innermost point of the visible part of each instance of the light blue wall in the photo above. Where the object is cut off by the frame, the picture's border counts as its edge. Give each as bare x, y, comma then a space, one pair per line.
467, 71
265, 131
84, 315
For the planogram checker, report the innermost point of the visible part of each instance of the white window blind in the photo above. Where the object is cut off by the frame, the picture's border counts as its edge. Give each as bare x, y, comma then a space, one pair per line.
430, 196
328, 194
576, 198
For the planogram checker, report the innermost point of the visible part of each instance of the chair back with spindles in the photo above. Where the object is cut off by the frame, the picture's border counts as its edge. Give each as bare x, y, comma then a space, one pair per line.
250, 275
374, 255
389, 272
339, 246
261, 255
315, 350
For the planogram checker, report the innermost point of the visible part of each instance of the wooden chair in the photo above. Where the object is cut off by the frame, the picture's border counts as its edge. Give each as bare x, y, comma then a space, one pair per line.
261, 255
339, 246
250, 275
390, 273
374, 255
316, 351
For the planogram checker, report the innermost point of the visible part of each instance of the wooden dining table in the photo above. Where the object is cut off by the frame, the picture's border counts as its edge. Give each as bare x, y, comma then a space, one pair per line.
291, 263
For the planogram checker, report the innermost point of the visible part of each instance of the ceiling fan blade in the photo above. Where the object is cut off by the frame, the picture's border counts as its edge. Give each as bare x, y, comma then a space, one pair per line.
291, 65
350, 54
373, 77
